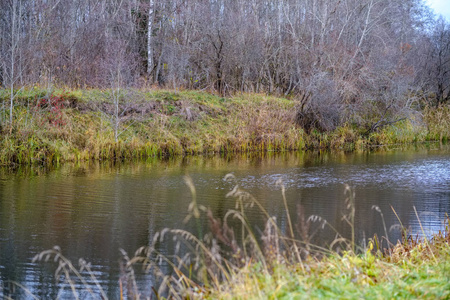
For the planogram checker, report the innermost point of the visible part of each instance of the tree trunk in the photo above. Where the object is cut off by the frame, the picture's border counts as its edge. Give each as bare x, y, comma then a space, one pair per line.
149, 37
14, 41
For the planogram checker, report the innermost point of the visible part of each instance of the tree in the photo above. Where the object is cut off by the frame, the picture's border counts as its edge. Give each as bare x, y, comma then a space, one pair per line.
120, 72
357, 49
440, 59
149, 37
11, 41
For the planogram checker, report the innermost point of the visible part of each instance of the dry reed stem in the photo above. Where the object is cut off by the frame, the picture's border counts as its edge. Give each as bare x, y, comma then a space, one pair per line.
424, 235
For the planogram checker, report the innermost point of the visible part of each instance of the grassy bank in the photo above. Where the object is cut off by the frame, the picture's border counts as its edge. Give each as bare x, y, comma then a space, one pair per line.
413, 271
102, 124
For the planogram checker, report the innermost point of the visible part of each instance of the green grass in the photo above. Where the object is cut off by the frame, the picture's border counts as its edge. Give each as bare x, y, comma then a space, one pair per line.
164, 123
350, 276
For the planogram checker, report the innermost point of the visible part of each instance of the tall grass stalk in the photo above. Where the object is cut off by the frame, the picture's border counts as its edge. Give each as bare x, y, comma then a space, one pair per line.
23, 288
403, 229
424, 234
66, 268
377, 208
350, 217
291, 228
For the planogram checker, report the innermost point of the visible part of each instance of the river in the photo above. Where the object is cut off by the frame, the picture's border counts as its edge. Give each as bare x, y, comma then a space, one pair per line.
91, 210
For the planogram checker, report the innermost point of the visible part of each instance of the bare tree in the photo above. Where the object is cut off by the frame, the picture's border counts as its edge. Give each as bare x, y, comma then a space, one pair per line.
357, 49
12, 20
440, 59
120, 72
149, 37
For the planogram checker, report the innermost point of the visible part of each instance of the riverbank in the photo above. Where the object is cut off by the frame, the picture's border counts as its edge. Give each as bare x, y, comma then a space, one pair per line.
81, 125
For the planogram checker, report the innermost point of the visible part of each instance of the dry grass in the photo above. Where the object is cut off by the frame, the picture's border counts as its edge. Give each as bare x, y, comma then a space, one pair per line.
167, 123
438, 122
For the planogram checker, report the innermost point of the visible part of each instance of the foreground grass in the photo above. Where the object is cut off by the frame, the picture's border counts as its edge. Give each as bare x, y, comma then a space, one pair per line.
409, 273
413, 270
83, 124
233, 261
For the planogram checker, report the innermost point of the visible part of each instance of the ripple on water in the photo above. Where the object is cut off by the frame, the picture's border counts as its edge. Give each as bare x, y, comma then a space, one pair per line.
428, 174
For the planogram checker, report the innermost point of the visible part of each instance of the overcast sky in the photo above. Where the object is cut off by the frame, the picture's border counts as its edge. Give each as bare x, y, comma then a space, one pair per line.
441, 7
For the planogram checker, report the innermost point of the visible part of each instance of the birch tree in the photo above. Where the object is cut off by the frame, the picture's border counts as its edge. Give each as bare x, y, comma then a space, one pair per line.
12, 37
149, 37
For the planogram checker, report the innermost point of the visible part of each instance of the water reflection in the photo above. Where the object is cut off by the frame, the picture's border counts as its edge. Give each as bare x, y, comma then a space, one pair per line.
93, 210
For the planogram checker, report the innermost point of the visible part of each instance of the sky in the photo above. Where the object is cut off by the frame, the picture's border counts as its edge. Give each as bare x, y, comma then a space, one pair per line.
440, 7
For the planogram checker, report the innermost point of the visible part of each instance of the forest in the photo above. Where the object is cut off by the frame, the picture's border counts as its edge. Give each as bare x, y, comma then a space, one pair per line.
366, 63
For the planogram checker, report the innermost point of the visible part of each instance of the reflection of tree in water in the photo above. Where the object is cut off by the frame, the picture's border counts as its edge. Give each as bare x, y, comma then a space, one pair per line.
92, 210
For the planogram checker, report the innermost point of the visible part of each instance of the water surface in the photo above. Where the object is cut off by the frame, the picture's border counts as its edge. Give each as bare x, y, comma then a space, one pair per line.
92, 210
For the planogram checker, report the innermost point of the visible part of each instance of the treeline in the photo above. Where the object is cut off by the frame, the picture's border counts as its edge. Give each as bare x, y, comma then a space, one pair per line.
341, 60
